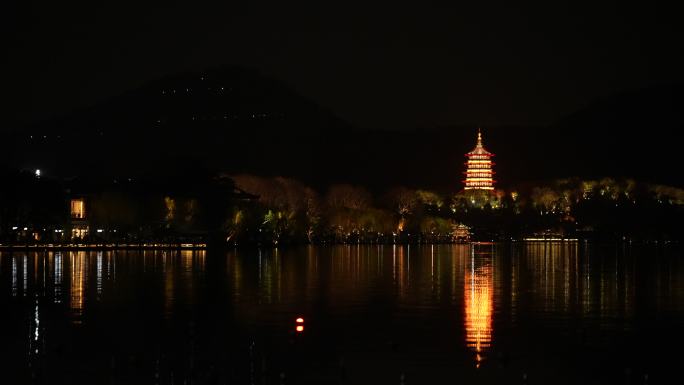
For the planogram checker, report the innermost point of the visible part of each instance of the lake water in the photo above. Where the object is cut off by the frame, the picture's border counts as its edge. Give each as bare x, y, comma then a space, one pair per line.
537, 313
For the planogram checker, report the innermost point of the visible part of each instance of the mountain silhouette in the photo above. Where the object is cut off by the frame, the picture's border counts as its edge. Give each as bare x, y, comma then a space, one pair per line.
234, 120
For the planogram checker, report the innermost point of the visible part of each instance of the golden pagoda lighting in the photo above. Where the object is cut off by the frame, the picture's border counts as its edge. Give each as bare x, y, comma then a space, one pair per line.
479, 173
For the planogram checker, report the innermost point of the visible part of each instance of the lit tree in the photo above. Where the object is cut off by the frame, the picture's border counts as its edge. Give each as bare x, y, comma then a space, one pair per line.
278, 223
436, 226
313, 213
429, 198
234, 225
545, 198
403, 200
287, 201
347, 196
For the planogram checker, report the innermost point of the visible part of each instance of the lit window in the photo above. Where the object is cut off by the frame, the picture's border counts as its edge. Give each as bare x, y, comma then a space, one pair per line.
77, 209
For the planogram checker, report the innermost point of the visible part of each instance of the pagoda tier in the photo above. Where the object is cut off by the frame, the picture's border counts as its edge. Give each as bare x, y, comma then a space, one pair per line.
479, 173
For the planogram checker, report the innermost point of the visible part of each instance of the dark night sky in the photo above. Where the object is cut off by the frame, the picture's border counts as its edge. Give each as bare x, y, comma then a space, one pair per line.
385, 66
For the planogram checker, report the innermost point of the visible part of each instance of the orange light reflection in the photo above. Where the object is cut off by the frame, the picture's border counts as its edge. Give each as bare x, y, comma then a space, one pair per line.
478, 310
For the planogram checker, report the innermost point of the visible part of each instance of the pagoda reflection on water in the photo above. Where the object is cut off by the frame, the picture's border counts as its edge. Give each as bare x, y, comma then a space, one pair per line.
479, 173
479, 305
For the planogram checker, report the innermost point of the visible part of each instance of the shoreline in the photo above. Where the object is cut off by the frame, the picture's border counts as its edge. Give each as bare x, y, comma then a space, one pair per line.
107, 246
205, 246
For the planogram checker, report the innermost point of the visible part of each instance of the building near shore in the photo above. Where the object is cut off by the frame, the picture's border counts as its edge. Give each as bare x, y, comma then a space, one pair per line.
79, 222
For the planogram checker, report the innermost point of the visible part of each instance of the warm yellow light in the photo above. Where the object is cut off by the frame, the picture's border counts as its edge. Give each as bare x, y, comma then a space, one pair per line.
479, 173
77, 208
479, 300
300, 320
300, 328
170, 208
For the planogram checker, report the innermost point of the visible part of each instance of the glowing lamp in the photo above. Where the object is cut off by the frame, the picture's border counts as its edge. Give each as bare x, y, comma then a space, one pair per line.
299, 328
300, 320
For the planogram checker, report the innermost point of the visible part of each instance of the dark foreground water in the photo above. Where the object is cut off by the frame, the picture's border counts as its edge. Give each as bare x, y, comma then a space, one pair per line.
537, 313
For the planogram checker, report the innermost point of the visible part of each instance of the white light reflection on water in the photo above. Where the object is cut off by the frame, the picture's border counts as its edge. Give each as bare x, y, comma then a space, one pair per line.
25, 268
34, 343
15, 279
98, 274
45, 272
36, 322
58, 277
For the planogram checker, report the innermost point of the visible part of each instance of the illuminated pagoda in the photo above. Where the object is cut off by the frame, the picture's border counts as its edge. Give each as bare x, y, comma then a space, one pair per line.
479, 173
